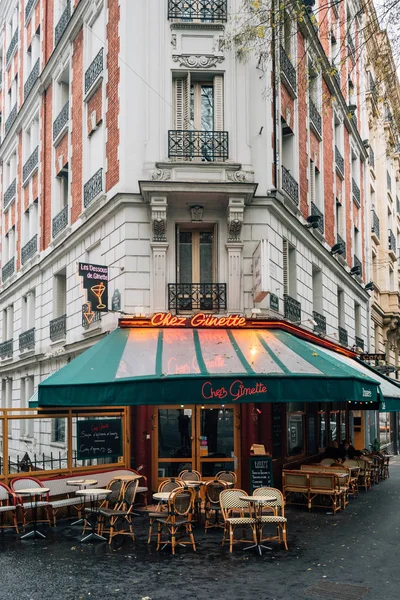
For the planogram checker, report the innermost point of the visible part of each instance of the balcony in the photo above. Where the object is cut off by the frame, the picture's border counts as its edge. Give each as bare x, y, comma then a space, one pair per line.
205, 11
392, 244
197, 296
288, 72
60, 221
375, 227
30, 165
356, 192
352, 49
27, 340
93, 188
94, 71
340, 240
62, 23
339, 162
316, 212
357, 263
292, 309
8, 269
388, 181
29, 249
58, 328
6, 349
320, 320
343, 336
373, 88
359, 343
207, 146
28, 9
315, 118
336, 73
10, 193
371, 159
32, 78
12, 46
10, 119
290, 186
61, 121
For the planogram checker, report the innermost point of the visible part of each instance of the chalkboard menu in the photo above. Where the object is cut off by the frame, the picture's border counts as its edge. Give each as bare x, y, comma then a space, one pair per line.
276, 430
260, 472
99, 438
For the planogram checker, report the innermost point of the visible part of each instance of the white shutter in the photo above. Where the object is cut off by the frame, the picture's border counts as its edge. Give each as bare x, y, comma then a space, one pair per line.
219, 103
312, 182
182, 101
285, 267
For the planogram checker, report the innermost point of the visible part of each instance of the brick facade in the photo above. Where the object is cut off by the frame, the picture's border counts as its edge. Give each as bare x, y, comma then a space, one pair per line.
112, 92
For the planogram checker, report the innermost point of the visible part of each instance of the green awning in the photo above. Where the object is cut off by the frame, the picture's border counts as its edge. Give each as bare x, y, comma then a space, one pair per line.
199, 366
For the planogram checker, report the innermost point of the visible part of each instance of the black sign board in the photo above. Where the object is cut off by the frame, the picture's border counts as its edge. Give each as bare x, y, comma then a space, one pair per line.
99, 438
274, 302
375, 357
260, 472
276, 430
95, 282
88, 315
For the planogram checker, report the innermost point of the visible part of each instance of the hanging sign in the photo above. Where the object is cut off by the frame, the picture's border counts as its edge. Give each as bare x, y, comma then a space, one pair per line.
88, 315
274, 302
199, 320
260, 271
95, 282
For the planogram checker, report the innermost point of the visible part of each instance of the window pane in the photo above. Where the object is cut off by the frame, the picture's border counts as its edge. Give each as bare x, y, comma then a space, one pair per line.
384, 427
185, 257
207, 108
295, 434
322, 430
333, 426
174, 433
216, 433
206, 257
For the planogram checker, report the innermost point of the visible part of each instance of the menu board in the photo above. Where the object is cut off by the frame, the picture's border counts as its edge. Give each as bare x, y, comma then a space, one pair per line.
99, 438
276, 430
260, 472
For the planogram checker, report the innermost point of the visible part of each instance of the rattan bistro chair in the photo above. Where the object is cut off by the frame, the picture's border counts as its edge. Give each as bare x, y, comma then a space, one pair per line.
122, 513
277, 507
228, 476
328, 462
212, 505
8, 505
168, 485
236, 513
110, 502
190, 475
178, 521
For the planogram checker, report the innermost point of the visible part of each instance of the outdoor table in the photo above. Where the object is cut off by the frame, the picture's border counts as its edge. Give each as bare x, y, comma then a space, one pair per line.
258, 502
34, 495
82, 484
162, 496
129, 477
93, 495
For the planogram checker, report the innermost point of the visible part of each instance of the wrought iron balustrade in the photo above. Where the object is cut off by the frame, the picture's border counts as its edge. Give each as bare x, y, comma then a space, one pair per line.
208, 146
58, 328
32, 78
10, 119
340, 240
290, 185
356, 192
287, 69
10, 193
93, 188
315, 117
6, 349
8, 269
12, 46
61, 120
336, 73
388, 181
28, 8
371, 159
392, 242
29, 249
292, 309
27, 340
60, 221
339, 161
62, 23
375, 224
31, 164
320, 320
352, 48
357, 263
206, 11
315, 211
197, 296
94, 70
343, 336
359, 342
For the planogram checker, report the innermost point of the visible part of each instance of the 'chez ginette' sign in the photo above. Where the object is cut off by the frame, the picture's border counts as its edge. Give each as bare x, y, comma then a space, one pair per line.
198, 320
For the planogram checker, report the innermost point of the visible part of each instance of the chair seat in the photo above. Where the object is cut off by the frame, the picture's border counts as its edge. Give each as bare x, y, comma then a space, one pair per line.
178, 521
110, 512
241, 520
65, 502
273, 519
6, 508
142, 489
154, 515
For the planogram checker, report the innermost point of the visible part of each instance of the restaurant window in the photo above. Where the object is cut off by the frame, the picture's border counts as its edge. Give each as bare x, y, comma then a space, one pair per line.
322, 440
58, 430
343, 435
296, 426
384, 428
333, 428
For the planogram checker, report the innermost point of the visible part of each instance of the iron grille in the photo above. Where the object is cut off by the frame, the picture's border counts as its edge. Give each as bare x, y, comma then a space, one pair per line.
61, 120
12, 46
316, 212
27, 340
339, 161
357, 263
6, 349
359, 342
30, 164
375, 224
292, 309
371, 159
340, 240
209, 146
32, 78
388, 181
8, 269
60, 221
336, 73
343, 336
94, 70
28, 9
29, 249
392, 241
315, 118
95, 316
290, 185
287, 69
200, 10
356, 192
62, 23
58, 328
320, 320
10, 119
93, 188
197, 296
352, 48
10, 193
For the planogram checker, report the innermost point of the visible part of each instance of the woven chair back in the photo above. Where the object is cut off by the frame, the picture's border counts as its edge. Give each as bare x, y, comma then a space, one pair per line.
213, 490
268, 491
130, 493
228, 476
351, 462
115, 485
323, 481
295, 479
190, 475
230, 500
169, 485
181, 502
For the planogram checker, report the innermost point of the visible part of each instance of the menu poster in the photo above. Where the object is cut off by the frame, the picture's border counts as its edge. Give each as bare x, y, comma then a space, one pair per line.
99, 438
260, 472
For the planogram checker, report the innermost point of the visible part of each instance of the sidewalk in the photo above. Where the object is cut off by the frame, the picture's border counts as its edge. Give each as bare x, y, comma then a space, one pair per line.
353, 553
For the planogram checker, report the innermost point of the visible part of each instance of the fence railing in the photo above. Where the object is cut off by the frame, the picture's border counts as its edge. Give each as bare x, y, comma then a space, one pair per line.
197, 296
315, 211
208, 146
62, 23
292, 309
287, 69
375, 224
198, 10
93, 188
290, 185
94, 70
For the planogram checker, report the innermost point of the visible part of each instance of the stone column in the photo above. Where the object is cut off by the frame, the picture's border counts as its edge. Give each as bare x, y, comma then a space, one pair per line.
234, 249
159, 247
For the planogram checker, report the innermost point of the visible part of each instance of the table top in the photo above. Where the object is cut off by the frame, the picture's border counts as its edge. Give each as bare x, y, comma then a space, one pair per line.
259, 498
162, 496
37, 491
194, 483
129, 477
82, 482
94, 492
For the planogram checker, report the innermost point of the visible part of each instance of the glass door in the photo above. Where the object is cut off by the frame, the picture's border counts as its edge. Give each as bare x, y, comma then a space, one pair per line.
217, 447
174, 441
195, 269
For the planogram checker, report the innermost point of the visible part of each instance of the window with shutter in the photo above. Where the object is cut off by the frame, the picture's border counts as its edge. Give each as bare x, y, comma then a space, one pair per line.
182, 102
312, 182
218, 103
285, 267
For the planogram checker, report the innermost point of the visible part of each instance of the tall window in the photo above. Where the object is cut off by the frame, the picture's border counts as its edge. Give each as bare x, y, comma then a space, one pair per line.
60, 294
340, 304
357, 319
289, 270
28, 311
8, 323
295, 428
26, 393
30, 222
317, 290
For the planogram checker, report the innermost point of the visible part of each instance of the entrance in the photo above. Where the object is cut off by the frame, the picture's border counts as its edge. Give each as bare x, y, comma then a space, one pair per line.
205, 439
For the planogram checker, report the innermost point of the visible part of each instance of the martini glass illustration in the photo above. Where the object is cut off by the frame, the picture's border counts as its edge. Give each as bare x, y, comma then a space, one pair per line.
98, 291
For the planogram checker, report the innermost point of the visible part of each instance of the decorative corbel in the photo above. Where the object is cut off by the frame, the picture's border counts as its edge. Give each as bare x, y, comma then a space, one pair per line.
158, 207
235, 218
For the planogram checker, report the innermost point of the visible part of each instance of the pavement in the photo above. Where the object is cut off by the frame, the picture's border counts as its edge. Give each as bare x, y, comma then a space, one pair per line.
350, 556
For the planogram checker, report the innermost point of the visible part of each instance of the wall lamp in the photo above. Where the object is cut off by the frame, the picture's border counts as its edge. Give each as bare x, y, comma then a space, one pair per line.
355, 271
369, 287
313, 221
338, 249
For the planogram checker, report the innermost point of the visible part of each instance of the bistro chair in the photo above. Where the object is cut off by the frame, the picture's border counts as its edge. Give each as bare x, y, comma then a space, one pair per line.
169, 485
20, 483
228, 476
110, 502
278, 517
212, 507
178, 520
236, 513
122, 513
190, 475
328, 461
365, 473
327, 485
8, 505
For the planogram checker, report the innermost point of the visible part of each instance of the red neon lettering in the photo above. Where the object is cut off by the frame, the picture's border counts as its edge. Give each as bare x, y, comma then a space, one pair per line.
238, 390
208, 393
199, 320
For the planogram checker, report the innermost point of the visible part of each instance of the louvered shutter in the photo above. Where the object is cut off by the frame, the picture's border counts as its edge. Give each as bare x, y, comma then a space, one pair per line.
312, 182
218, 103
182, 102
285, 267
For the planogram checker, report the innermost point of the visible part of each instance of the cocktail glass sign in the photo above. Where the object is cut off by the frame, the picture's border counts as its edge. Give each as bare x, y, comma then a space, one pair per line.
95, 282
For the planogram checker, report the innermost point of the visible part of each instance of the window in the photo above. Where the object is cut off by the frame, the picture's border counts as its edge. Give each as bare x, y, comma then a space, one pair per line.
340, 303
30, 222
339, 219
288, 146
296, 426
62, 187
8, 323
315, 186
376, 337
199, 103
322, 433
28, 311
6, 398
286, 32
60, 295
289, 270
26, 393
317, 289
58, 430
384, 428
357, 319
9, 246
334, 433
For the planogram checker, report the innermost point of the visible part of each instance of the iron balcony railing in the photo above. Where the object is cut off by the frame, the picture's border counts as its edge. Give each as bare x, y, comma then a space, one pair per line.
10, 119
356, 192
392, 242
31, 164
8, 269
60, 221
357, 263
12, 46
93, 188
62, 23
315, 211
61, 120
208, 146
197, 296
94, 70
206, 11
290, 185
29, 249
27, 340
292, 309
343, 336
320, 321
372, 88
58, 328
388, 181
336, 73
32, 78
10, 193
6, 349
352, 48
359, 342
315, 118
375, 224
287, 70
340, 240
371, 159
339, 161
28, 8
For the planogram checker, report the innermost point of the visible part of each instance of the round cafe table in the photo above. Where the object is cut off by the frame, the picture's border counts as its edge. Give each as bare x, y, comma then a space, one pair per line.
162, 496
82, 484
93, 495
258, 502
34, 495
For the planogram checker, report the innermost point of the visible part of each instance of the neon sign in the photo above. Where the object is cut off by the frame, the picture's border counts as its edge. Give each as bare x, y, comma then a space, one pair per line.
236, 390
199, 320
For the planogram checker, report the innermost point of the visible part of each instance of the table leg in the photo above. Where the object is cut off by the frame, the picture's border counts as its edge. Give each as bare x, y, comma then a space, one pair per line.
93, 522
34, 533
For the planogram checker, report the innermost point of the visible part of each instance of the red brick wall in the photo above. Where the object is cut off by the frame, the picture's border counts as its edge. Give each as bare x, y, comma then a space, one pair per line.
112, 174
347, 201
18, 203
46, 159
61, 150
35, 186
95, 104
302, 120
48, 20
329, 196
26, 196
76, 120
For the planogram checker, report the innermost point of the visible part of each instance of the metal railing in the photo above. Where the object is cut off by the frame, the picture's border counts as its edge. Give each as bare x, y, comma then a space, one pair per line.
10, 193
6, 349
290, 185
27, 340
392, 242
94, 70
315, 117
197, 296
12, 46
10, 119
343, 336
292, 309
58, 328
320, 320
375, 224
336, 73
339, 162
352, 48
287, 69
207, 11
359, 342
32, 78
28, 8
93, 188
371, 159
61, 120
62, 23
315, 211
8, 269
356, 192
29, 249
31, 164
60, 221
357, 263
209, 146
388, 181
340, 240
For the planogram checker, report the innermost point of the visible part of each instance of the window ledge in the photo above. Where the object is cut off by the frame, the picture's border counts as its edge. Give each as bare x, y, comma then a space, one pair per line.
6, 360
61, 341
94, 87
25, 353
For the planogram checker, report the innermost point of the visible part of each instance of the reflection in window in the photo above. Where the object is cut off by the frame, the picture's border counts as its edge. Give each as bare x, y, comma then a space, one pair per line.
333, 426
295, 420
322, 430
384, 428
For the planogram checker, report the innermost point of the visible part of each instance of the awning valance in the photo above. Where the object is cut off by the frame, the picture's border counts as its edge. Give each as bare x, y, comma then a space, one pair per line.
173, 366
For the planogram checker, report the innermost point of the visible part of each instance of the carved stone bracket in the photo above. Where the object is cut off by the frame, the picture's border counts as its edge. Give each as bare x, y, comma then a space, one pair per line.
197, 61
241, 176
235, 218
158, 207
160, 175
